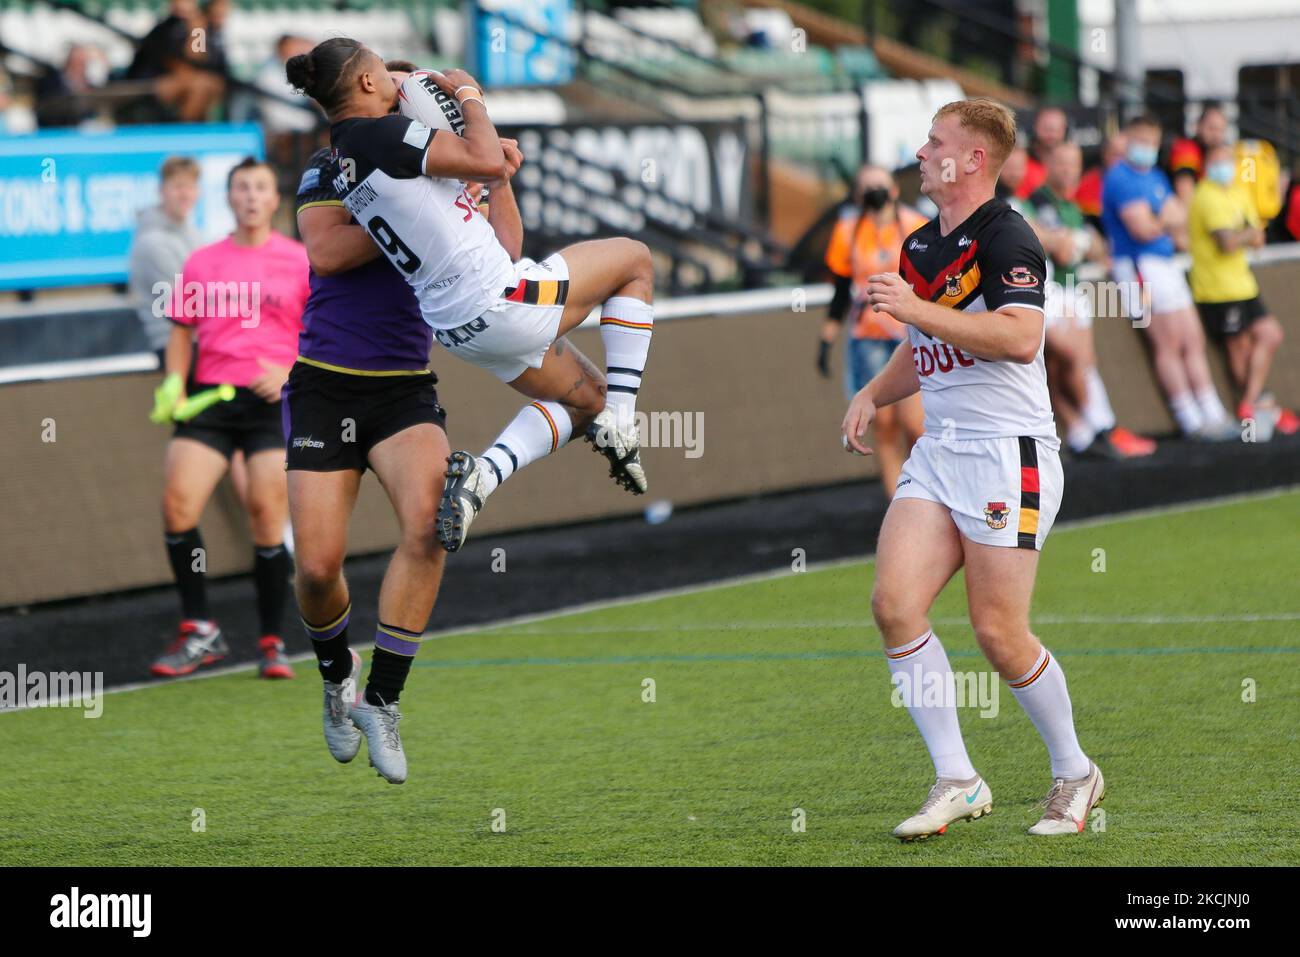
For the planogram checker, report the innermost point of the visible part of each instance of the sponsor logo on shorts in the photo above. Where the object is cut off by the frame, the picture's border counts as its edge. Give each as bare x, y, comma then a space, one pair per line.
307, 442
1020, 277
995, 513
902, 482
461, 334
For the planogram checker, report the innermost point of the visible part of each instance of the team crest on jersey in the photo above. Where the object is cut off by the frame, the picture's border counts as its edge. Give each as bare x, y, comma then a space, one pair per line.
952, 287
995, 513
1020, 277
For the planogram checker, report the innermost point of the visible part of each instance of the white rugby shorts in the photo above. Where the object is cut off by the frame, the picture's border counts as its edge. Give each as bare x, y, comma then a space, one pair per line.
1003, 491
515, 332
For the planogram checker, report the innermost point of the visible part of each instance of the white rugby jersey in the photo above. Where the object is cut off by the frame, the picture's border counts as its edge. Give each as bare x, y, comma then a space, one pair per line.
429, 228
991, 260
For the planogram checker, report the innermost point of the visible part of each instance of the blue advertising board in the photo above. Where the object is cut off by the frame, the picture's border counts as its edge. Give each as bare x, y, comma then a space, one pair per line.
69, 199
508, 41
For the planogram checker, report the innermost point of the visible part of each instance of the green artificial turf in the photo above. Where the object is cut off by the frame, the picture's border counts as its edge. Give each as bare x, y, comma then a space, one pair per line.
771, 697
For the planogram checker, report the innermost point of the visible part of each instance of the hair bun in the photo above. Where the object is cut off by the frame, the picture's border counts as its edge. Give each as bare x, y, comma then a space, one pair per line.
300, 71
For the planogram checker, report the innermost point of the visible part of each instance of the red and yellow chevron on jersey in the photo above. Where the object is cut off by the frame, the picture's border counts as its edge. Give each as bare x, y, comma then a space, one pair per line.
991, 261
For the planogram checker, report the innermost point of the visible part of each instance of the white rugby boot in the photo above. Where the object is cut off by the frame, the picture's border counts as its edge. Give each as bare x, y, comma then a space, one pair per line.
379, 723
949, 800
342, 736
621, 446
1069, 803
463, 496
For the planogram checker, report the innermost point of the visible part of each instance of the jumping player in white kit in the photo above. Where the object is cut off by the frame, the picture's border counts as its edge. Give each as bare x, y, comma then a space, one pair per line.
487, 304
983, 485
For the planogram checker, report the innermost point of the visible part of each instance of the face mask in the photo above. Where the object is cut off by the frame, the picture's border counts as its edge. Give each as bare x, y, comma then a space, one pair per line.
1221, 173
874, 199
1141, 155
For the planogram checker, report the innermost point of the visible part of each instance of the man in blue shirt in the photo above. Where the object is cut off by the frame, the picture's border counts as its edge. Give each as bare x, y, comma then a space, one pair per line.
1142, 217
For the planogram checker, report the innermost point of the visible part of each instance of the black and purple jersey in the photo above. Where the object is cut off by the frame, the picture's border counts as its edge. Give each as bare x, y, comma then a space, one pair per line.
365, 320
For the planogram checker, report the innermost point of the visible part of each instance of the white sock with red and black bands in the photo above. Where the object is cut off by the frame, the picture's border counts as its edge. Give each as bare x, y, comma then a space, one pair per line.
626, 325
910, 664
1041, 691
539, 429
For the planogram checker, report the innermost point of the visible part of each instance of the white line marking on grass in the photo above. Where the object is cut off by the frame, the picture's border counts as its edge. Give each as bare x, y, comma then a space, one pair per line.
505, 624
815, 624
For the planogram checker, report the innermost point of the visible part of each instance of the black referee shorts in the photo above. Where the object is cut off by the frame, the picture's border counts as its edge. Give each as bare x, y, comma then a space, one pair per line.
331, 420
247, 422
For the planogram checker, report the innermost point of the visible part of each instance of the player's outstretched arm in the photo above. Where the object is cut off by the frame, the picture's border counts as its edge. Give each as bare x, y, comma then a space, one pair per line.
478, 156
334, 244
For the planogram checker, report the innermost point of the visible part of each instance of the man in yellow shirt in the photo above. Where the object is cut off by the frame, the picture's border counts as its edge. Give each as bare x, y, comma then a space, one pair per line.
1222, 224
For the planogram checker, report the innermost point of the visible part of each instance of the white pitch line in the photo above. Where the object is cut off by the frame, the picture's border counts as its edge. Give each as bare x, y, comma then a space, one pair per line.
504, 624
733, 625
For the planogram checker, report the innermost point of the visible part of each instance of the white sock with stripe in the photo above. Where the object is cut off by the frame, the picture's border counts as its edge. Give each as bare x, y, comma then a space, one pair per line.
1186, 412
1041, 691
625, 328
909, 665
1096, 408
539, 429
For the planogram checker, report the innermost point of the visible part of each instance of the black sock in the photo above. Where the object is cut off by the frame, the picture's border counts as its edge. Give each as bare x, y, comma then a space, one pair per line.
272, 567
181, 547
388, 670
330, 642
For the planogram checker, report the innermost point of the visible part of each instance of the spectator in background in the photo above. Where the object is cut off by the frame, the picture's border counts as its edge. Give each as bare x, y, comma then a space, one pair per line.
164, 238
281, 121
1140, 214
1010, 178
1051, 129
1222, 224
279, 117
1187, 156
1287, 224
867, 240
184, 58
1075, 385
61, 95
1088, 193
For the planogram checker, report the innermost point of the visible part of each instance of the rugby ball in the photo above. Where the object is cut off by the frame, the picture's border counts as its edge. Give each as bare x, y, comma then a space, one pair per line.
420, 99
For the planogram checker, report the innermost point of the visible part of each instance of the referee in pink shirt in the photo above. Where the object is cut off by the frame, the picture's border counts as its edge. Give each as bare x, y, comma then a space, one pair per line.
242, 298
